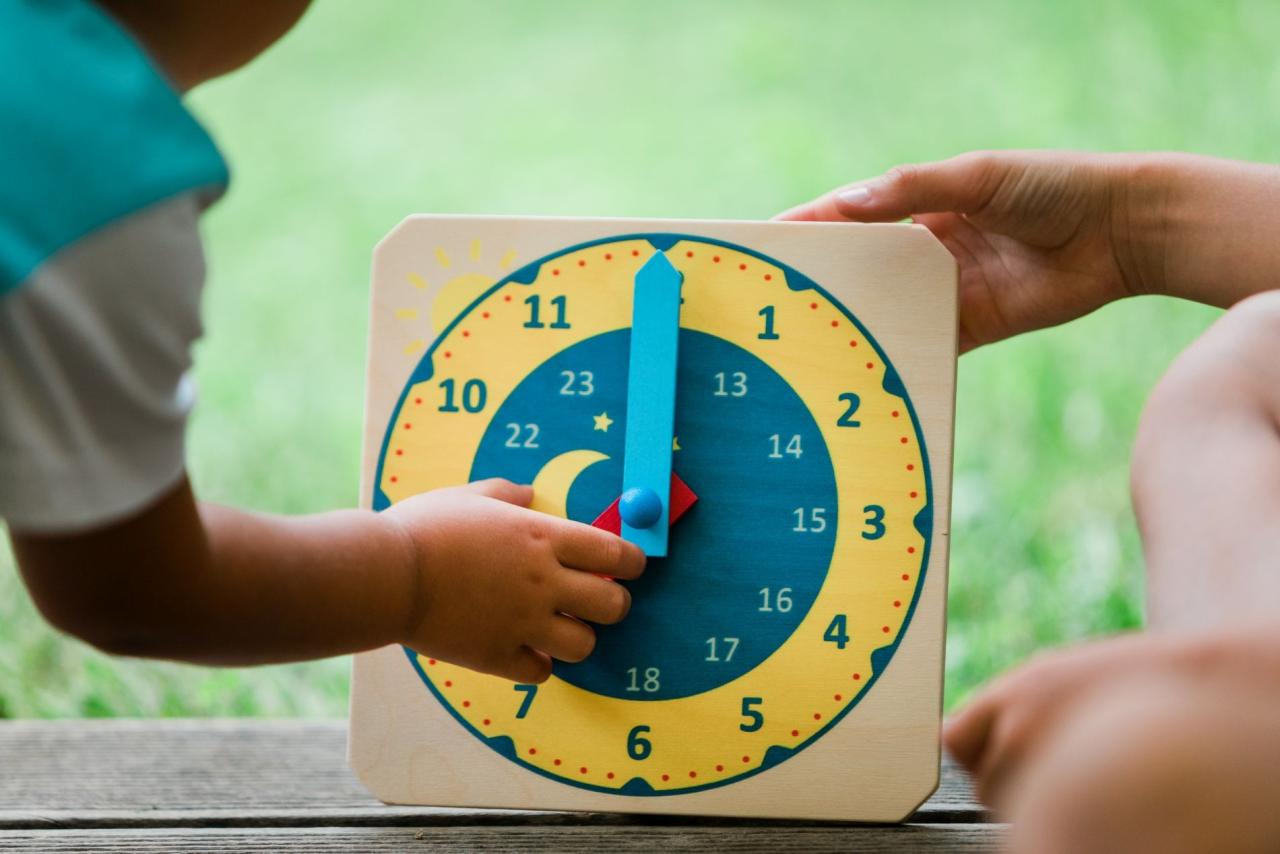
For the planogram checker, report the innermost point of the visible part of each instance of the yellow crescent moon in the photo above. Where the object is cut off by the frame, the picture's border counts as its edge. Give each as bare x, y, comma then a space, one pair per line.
552, 483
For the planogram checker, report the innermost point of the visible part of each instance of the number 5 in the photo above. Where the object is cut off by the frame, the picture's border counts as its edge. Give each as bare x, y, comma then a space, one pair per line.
755, 718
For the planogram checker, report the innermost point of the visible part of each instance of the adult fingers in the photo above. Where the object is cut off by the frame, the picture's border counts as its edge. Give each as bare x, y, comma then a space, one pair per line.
964, 184
583, 547
503, 490
592, 598
565, 638
966, 732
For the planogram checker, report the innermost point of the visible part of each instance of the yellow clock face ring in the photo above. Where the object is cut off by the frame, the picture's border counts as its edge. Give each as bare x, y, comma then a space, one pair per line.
788, 585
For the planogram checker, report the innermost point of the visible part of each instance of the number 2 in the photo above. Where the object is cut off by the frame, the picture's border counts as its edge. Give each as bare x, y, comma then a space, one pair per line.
847, 419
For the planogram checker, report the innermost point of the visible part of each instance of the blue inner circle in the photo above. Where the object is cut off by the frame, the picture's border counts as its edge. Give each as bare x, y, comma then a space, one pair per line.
745, 563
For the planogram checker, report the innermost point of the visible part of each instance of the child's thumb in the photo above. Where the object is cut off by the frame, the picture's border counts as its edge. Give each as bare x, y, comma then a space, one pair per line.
503, 490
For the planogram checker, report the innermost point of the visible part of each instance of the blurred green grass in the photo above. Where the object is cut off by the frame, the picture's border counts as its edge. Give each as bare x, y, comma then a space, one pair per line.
371, 111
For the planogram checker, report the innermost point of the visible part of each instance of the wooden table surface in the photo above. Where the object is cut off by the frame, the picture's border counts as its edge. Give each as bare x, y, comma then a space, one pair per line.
233, 785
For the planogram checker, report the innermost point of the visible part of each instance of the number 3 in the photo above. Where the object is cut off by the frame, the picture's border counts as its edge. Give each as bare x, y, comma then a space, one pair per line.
874, 521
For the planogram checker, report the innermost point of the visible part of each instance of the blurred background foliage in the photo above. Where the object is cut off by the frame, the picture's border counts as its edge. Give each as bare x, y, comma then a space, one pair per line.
370, 111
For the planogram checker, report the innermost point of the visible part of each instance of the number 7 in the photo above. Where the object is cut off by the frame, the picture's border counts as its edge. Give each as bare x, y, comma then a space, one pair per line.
530, 691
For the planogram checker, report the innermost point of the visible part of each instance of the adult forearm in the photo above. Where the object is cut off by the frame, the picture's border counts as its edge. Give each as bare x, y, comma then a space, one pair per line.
1200, 228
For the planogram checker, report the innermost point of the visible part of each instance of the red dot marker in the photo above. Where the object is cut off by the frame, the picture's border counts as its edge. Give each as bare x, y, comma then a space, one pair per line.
870, 365
911, 550
609, 775
533, 751
582, 770
555, 272
906, 577
666, 777
715, 258
794, 733
399, 452
431, 661
693, 774
394, 478
582, 262
688, 254
448, 683
903, 440
485, 722
817, 716
768, 277
884, 629
834, 324
557, 762
746, 759
485, 315
911, 466
913, 494
857, 676
635, 252
719, 767
466, 334
813, 305
507, 298
608, 257
894, 413
742, 266
838, 698
897, 603
418, 400
853, 343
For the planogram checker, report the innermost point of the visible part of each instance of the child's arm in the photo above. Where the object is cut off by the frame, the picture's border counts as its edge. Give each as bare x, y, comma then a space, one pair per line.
1043, 237
465, 574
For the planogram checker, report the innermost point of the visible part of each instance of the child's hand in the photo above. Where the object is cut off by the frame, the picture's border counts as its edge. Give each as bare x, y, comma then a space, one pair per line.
1035, 233
503, 589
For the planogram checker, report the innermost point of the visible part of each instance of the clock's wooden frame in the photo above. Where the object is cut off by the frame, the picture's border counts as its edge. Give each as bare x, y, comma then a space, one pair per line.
878, 763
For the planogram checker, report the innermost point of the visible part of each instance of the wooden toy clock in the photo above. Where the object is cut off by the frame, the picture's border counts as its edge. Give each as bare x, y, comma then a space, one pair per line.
766, 409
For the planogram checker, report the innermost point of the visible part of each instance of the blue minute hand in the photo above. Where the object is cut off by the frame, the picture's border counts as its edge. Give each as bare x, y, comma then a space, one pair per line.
651, 405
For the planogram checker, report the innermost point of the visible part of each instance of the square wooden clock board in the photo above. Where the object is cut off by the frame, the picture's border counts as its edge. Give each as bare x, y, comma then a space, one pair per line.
785, 657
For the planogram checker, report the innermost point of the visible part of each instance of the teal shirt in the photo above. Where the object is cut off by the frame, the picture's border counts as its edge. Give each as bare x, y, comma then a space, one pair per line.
90, 132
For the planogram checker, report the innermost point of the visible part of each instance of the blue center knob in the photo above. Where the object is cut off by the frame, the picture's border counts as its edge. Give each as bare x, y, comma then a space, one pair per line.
640, 507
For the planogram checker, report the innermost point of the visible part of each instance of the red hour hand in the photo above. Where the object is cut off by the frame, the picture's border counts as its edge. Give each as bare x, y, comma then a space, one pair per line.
682, 498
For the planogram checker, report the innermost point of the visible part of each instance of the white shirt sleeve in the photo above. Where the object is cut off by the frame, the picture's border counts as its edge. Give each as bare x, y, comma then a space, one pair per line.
95, 383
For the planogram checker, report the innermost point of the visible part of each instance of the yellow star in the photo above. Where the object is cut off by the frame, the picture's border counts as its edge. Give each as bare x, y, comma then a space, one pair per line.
675, 443
602, 422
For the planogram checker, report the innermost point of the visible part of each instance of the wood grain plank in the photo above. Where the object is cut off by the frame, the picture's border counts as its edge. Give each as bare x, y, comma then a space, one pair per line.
908, 839
123, 773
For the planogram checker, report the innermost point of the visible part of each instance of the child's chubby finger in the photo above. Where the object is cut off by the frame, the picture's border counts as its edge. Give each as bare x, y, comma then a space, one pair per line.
580, 546
564, 638
527, 666
503, 490
592, 598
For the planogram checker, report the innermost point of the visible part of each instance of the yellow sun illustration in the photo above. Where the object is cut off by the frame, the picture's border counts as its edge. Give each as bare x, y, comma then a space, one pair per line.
451, 290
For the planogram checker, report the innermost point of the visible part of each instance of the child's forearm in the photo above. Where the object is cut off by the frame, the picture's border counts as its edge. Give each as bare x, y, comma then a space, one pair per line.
221, 586
1201, 228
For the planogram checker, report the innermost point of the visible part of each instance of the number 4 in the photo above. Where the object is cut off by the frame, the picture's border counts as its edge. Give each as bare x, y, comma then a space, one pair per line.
838, 632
